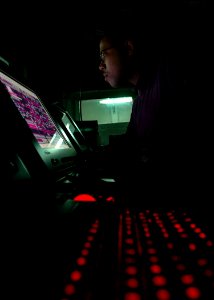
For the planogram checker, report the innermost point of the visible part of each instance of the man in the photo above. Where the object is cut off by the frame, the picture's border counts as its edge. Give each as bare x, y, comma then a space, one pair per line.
151, 142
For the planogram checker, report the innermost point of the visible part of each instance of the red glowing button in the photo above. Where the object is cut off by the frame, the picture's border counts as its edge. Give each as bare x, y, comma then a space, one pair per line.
192, 247
130, 260
180, 267
129, 241
87, 245
193, 293
75, 275
209, 243
81, 261
84, 252
130, 251
170, 245
110, 199
131, 270
93, 230
84, 198
187, 279
153, 259
202, 235
208, 273
202, 262
163, 294
69, 289
132, 283
90, 238
155, 269
152, 251
159, 280
132, 296
177, 225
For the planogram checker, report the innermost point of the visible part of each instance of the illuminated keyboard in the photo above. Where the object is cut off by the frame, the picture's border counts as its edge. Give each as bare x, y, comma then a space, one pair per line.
135, 254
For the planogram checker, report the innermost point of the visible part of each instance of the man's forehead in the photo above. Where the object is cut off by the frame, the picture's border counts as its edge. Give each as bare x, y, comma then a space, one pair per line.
105, 43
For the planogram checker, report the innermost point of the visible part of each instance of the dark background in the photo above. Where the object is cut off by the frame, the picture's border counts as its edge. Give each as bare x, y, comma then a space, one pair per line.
54, 48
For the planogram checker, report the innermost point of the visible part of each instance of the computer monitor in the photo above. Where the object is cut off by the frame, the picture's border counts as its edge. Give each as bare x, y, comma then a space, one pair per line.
70, 128
37, 125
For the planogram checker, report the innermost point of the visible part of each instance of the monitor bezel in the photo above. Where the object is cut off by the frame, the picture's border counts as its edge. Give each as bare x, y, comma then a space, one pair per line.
56, 161
81, 146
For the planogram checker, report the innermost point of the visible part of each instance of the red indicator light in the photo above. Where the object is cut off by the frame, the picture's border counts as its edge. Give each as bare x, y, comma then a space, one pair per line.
132, 296
129, 241
90, 238
81, 261
187, 279
132, 283
130, 251
193, 293
131, 270
87, 245
153, 259
202, 235
209, 243
110, 199
192, 247
152, 251
84, 252
155, 269
208, 273
130, 260
170, 245
180, 267
75, 275
202, 262
163, 294
69, 289
84, 198
159, 280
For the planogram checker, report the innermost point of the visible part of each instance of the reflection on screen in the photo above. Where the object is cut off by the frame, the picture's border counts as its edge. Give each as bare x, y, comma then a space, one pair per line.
73, 130
34, 113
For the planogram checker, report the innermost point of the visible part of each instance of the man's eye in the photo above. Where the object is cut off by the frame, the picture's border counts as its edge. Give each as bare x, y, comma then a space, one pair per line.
102, 55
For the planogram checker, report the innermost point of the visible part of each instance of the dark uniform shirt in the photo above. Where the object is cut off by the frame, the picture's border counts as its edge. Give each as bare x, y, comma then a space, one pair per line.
152, 137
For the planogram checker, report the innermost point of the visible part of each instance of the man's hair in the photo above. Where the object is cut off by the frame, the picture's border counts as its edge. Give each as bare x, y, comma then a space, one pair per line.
144, 28
152, 24
144, 35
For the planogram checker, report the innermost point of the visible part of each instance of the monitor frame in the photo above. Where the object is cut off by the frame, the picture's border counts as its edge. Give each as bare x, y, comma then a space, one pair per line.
20, 137
80, 142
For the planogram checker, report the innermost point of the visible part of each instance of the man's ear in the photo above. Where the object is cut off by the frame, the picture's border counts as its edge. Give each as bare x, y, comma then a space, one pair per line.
130, 47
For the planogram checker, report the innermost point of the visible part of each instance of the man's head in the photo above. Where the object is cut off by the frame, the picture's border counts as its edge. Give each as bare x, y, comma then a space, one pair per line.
118, 59
127, 53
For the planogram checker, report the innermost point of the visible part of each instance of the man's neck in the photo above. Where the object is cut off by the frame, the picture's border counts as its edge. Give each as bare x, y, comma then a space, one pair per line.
134, 78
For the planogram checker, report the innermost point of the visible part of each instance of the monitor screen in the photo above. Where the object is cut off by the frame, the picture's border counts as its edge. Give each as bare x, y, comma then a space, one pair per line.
49, 142
35, 114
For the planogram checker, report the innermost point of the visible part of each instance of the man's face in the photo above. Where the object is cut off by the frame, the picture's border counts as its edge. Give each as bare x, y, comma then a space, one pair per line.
111, 65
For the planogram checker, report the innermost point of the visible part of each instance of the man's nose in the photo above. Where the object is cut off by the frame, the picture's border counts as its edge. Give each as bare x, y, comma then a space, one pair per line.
102, 65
